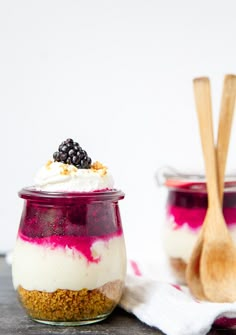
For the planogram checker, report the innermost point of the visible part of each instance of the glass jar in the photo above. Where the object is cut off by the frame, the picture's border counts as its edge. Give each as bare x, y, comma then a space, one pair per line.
69, 261
186, 207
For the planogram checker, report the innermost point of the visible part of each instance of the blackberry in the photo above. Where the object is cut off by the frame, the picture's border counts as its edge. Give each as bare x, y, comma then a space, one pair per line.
70, 152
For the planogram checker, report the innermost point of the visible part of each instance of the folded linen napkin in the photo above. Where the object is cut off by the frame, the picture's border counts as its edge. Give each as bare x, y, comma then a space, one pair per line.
170, 307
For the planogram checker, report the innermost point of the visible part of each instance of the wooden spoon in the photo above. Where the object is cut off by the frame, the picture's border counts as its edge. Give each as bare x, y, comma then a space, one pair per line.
214, 256
224, 128
193, 268
218, 259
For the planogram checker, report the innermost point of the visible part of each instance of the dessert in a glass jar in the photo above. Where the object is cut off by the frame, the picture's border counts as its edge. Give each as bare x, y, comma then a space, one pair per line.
69, 260
186, 207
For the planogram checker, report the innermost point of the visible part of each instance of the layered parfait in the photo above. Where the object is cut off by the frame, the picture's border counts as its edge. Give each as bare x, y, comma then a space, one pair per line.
185, 212
69, 261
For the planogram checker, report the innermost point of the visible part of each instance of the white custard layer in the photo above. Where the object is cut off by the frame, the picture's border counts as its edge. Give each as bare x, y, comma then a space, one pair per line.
36, 267
55, 176
179, 242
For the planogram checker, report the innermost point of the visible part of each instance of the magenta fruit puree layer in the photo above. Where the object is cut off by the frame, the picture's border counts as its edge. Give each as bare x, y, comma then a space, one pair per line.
74, 220
190, 208
195, 217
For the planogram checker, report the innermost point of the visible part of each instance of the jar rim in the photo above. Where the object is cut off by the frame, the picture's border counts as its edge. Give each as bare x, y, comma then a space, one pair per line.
192, 181
105, 194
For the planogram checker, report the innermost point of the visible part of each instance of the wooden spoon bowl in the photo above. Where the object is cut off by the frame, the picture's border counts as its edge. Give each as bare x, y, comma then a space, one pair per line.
218, 259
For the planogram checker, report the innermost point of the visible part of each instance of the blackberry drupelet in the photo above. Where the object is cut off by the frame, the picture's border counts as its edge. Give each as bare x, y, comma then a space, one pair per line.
70, 152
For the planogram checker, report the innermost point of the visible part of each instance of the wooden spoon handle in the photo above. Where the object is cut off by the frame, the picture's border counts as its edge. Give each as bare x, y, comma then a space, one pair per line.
224, 128
204, 112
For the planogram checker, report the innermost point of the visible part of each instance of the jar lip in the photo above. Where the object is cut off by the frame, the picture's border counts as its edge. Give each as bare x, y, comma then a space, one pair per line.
105, 194
193, 181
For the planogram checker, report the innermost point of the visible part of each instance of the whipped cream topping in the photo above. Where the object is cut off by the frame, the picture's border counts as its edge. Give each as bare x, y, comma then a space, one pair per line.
60, 177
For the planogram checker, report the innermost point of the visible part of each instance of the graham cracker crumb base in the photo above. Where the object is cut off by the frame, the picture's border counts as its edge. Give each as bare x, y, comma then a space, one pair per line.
67, 305
178, 268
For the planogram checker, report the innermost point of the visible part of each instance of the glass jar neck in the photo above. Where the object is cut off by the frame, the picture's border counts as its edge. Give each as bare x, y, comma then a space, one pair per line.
32, 194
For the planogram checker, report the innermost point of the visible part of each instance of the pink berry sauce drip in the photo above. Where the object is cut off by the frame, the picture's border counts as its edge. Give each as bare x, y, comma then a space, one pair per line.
190, 208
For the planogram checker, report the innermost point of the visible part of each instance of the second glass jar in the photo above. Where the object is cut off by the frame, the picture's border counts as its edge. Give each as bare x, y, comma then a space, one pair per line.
186, 207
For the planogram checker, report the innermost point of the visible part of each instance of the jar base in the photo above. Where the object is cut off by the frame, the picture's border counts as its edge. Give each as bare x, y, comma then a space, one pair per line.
72, 323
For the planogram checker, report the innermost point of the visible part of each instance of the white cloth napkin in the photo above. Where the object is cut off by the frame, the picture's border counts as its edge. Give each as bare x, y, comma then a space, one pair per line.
170, 307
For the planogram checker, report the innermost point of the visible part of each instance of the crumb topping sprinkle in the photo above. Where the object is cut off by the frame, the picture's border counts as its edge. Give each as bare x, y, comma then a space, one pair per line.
67, 169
